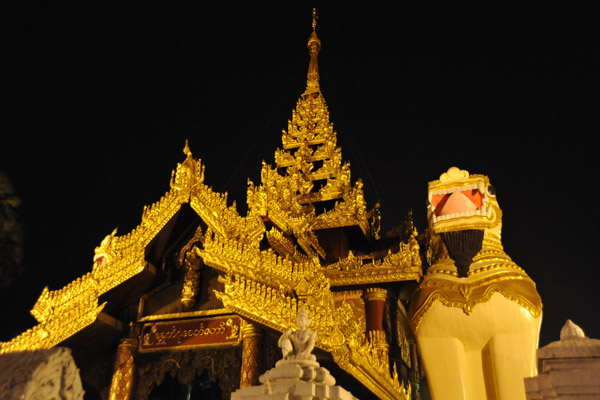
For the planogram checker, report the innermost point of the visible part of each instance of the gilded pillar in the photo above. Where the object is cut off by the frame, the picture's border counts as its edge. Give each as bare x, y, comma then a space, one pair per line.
374, 306
121, 386
252, 348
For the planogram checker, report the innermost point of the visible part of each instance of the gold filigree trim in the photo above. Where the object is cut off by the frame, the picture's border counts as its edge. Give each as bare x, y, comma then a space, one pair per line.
184, 315
61, 313
514, 285
338, 332
375, 294
290, 200
402, 265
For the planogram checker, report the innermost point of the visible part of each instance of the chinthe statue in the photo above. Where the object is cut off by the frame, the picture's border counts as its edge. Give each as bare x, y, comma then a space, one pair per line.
476, 314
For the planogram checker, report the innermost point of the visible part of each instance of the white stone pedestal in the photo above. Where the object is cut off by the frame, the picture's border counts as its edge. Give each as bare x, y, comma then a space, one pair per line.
568, 369
40, 375
295, 380
298, 376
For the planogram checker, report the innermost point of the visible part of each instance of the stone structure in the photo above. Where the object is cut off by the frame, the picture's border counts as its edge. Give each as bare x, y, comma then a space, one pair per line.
40, 375
569, 368
298, 376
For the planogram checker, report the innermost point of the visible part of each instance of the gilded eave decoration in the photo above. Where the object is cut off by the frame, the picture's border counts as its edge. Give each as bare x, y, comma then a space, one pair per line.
64, 312
403, 265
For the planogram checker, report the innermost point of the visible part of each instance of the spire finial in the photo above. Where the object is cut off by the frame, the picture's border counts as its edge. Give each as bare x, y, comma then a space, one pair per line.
314, 46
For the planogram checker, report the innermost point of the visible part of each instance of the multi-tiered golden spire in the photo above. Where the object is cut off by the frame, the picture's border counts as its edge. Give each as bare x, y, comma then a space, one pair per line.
311, 185
314, 46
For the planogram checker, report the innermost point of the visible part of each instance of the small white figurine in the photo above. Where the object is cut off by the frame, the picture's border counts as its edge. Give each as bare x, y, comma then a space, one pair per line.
299, 344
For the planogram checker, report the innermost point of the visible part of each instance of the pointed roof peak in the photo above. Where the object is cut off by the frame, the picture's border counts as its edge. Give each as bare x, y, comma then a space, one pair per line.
314, 46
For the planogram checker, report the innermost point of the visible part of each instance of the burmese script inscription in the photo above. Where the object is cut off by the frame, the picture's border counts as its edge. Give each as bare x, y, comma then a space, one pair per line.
190, 333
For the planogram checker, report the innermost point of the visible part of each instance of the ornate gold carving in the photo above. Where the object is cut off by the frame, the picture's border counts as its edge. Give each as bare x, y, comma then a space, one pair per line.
223, 219
375, 294
101, 253
234, 329
368, 363
192, 264
220, 365
61, 313
314, 45
339, 332
181, 315
251, 354
379, 345
284, 245
403, 265
289, 200
513, 284
356, 302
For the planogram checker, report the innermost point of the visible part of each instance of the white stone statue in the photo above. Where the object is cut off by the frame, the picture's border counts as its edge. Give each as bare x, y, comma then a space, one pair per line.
298, 376
298, 344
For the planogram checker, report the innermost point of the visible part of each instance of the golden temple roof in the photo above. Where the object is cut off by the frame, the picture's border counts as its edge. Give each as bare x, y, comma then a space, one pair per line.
270, 261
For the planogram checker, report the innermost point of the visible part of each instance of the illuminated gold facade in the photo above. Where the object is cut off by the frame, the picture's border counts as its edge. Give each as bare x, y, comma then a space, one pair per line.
198, 290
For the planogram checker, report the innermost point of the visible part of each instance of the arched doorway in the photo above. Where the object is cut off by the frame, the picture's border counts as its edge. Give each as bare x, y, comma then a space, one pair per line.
189, 375
202, 388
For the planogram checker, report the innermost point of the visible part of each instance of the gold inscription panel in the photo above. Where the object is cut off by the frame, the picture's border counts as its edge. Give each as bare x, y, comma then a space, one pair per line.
190, 333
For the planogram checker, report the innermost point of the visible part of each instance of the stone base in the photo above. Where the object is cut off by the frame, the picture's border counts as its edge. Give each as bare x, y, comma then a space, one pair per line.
40, 374
295, 380
569, 369
292, 389
304, 370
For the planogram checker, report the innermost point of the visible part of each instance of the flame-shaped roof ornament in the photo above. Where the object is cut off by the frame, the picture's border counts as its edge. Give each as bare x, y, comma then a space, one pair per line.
314, 46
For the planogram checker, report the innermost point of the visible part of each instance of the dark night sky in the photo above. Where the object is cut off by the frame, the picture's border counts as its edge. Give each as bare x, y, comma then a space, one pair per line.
96, 110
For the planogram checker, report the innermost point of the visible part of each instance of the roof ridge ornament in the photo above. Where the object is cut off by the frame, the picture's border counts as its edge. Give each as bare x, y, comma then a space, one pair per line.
186, 149
314, 46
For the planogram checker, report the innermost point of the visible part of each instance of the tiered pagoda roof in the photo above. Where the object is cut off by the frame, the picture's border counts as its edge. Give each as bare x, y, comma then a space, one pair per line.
271, 261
